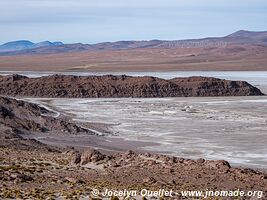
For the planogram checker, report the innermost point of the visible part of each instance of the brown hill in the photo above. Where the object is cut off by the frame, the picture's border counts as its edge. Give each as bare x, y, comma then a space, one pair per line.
121, 86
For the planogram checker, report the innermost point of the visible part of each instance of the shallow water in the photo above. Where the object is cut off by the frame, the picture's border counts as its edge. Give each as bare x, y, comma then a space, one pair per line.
230, 128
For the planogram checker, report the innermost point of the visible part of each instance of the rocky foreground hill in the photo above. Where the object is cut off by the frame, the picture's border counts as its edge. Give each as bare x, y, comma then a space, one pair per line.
69, 174
121, 86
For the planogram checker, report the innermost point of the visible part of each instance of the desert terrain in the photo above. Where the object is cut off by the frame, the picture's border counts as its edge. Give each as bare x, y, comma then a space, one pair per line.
73, 148
239, 51
30, 169
228, 58
69, 148
77, 119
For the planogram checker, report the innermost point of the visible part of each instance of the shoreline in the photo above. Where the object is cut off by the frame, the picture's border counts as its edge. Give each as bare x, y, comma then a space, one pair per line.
113, 144
126, 71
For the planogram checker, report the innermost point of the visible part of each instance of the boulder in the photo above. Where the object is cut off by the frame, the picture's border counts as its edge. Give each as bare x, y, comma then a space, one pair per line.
91, 156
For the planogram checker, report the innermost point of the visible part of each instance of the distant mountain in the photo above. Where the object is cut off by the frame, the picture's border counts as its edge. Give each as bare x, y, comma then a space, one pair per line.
247, 37
244, 33
241, 37
16, 45
58, 43
21, 45
46, 44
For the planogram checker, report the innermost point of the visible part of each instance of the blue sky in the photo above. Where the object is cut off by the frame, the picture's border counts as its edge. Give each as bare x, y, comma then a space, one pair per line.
91, 21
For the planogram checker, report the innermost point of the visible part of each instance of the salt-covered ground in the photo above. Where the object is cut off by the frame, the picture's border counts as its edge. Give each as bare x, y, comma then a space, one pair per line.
230, 128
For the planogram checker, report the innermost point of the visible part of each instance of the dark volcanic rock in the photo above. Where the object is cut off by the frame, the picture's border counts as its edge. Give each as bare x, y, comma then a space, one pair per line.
28, 117
19, 117
122, 86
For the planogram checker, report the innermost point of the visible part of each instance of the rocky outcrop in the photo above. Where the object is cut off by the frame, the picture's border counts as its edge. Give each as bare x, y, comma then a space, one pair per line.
154, 170
91, 156
28, 117
18, 118
122, 86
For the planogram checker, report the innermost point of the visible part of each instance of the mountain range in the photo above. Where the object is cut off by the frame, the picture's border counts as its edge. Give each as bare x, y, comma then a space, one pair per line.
21, 45
27, 47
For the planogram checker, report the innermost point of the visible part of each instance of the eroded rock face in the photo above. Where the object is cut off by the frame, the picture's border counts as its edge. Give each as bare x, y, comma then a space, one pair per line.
91, 156
122, 86
74, 156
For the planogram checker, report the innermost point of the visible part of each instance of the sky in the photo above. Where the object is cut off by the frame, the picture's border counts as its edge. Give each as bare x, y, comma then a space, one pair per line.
93, 21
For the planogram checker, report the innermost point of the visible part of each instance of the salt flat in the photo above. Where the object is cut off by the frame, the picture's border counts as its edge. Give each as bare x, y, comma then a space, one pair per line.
230, 128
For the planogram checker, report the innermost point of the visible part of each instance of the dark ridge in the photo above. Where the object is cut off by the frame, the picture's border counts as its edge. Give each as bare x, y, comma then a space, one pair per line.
67, 86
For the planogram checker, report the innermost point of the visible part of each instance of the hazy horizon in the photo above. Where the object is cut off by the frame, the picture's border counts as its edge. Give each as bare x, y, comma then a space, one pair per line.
117, 40
116, 20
